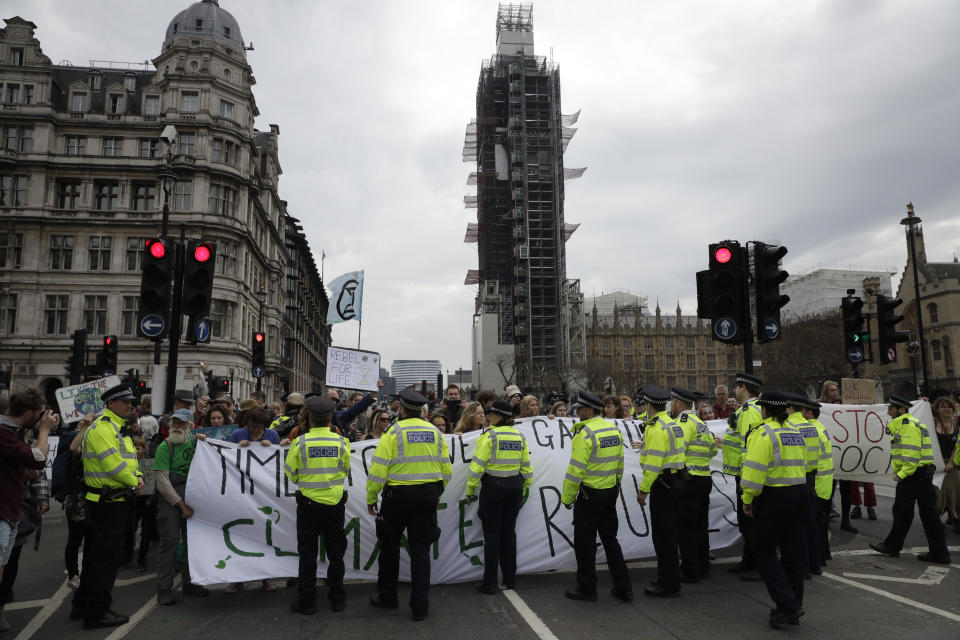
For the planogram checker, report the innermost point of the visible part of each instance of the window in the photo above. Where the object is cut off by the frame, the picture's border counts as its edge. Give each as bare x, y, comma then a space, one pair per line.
198, 24
668, 342
222, 151
130, 83
129, 316
628, 363
108, 193
186, 144
671, 363
113, 146
226, 109
606, 344
226, 31
194, 65
648, 342
26, 139
95, 314
76, 145
11, 250
711, 362
18, 138
691, 362
115, 103
226, 257
226, 73
221, 200
937, 353
28, 95
68, 194
144, 196
135, 248
96, 80
151, 105
16, 56
149, 148
691, 342
220, 319
79, 103
13, 191
933, 312
732, 361
10, 138
99, 251
183, 196
55, 315
190, 101
648, 363
627, 342
13, 93
8, 313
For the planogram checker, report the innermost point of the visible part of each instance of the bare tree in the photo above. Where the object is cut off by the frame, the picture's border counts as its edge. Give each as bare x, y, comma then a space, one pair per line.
810, 351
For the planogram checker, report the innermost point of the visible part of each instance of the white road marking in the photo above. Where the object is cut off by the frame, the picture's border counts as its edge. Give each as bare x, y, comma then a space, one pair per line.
44, 614
932, 576
886, 594
533, 620
128, 581
869, 552
140, 614
29, 604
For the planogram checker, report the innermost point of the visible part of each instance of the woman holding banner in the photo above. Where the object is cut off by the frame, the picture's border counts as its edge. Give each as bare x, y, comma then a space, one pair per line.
945, 421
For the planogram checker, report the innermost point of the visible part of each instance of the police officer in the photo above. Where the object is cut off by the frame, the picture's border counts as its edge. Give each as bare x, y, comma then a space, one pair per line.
318, 461
501, 464
111, 479
743, 420
823, 484
774, 498
811, 438
694, 507
912, 457
591, 487
411, 465
664, 477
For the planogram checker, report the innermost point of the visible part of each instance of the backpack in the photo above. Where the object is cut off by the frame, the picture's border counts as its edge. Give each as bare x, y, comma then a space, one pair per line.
60, 481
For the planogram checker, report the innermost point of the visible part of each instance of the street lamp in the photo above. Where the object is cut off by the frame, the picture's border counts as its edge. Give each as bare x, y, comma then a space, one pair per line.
911, 222
168, 135
262, 296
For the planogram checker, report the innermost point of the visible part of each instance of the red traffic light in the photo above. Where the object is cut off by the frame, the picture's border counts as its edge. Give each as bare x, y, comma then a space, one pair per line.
157, 248
108, 340
201, 253
722, 255
258, 337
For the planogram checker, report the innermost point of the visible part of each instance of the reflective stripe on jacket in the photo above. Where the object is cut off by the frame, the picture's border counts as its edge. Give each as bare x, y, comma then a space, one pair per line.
412, 451
735, 439
810, 436
108, 460
596, 459
776, 457
318, 462
664, 448
700, 444
910, 446
824, 481
502, 452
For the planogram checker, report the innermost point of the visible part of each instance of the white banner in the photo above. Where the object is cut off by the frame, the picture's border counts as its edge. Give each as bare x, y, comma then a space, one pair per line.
244, 522
81, 399
346, 298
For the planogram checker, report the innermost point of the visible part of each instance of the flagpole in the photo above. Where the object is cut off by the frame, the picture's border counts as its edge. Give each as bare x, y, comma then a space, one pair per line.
323, 258
359, 329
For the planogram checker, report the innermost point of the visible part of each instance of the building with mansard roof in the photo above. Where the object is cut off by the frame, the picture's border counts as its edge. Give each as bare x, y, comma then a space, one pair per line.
84, 175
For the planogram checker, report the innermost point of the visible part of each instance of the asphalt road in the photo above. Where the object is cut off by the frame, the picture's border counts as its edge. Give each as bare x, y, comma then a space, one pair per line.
861, 595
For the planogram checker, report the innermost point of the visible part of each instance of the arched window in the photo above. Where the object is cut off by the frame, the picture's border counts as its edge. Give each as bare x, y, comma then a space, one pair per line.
935, 347
932, 312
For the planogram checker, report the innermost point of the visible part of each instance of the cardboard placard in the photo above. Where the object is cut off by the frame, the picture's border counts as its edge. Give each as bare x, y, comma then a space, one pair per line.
352, 368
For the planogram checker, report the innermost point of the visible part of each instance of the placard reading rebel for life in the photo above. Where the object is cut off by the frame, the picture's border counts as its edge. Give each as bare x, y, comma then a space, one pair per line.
352, 368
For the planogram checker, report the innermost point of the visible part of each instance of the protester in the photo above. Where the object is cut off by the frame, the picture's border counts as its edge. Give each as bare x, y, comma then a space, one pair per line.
291, 412
707, 413
440, 422
945, 424
514, 397
626, 408
255, 429
721, 409
171, 467
472, 418
485, 398
144, 511
74, 505
529, 407
216, 417
611, 408
379, 423
452, 403
559, 410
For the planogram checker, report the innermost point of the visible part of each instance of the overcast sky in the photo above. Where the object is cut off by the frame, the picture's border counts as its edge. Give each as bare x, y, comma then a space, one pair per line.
807, 123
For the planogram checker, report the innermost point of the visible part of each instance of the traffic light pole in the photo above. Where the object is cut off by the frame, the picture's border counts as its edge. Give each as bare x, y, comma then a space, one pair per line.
748, 325
175, 319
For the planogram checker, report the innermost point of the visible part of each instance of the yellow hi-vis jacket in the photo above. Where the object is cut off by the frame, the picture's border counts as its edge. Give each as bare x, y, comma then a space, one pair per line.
664, 448
824, 482
318, 461
910, 446
596, 460
108, 461
501, 452
411, 452
700, 444
810, 436
735, 439
776, 457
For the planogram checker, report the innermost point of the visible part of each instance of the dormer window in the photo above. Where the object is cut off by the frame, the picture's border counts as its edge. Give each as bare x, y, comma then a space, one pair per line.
226, 32
226, 73
175, 25
130, 83
194, 65
96, 80
199, 24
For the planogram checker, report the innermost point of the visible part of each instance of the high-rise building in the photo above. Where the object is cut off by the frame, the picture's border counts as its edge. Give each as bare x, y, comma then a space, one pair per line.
84, 175
414, 372
521, 331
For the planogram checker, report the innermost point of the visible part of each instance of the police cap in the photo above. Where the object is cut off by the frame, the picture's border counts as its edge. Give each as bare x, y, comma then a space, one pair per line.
684, 395
321, 405
749, 380
410, 399
776, 399
501, 407
655, 395
900, 401
119, 392
587, 399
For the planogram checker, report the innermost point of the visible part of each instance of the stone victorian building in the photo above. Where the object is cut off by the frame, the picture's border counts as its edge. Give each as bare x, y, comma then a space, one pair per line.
83, 178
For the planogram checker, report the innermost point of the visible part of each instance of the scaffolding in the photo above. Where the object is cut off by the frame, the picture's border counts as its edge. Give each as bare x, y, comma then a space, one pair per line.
517, 140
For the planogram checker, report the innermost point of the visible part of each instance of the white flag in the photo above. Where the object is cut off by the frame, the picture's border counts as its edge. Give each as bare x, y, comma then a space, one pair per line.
346, 298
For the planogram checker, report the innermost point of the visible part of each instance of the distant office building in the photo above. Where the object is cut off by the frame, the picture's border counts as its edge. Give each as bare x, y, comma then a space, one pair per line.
819, 292
389, 382
413, 372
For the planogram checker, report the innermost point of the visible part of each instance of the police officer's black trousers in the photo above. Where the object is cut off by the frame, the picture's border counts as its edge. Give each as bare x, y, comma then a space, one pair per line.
745, 525
500, 500
595, 512
414, 509
778, 524
694, 524
107, 524
315, 520
823, 528
664, 525
811, 531
917, 488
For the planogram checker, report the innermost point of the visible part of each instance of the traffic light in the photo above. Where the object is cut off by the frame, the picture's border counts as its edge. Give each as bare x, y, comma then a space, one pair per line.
108, 364
78, 357
220, 384
887, 333
258, 350
154, 305
767, 278
854, 337
198, 278
721, 292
